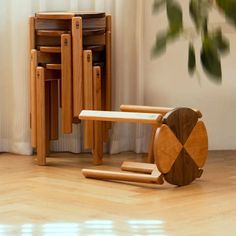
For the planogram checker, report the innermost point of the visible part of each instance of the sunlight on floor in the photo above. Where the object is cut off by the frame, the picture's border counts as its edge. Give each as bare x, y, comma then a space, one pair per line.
91, 227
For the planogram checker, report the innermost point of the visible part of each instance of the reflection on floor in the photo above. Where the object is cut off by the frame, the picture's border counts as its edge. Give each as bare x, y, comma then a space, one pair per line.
90, 227
57, 200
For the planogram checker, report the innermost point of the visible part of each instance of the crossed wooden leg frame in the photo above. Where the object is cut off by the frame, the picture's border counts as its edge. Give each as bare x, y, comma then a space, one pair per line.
178, 145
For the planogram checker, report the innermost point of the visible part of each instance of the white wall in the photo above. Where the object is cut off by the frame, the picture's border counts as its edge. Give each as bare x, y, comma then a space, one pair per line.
168, 83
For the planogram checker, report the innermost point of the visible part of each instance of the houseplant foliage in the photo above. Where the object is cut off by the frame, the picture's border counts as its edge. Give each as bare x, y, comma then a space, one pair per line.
214, 43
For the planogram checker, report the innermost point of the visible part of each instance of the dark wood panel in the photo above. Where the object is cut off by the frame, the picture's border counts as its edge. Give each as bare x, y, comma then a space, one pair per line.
181, 121
183, 171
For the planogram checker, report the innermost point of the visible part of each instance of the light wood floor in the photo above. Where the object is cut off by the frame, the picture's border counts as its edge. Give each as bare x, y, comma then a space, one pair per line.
58, 200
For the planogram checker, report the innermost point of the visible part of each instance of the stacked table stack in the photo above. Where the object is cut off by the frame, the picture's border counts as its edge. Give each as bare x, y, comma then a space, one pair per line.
71, 70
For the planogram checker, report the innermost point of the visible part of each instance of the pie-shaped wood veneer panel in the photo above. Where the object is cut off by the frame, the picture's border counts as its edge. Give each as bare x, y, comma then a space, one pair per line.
197, 144
181, 121
166, 148
183, 171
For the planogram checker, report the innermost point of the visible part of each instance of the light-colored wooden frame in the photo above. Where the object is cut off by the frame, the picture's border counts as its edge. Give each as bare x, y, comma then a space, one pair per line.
151, 109
33, 116
66, 83
98, 116
54, 110
88, 97
145, 173
41, 116
77, 49
97, 96
56, 39
108, 81
179, 141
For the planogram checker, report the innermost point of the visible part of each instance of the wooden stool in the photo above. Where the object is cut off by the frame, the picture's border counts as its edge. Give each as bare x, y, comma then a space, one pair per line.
70, 71
180, 147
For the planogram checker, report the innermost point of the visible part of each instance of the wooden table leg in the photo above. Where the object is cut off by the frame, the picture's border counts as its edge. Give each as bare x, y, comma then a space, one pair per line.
33, 65
66, 83
32, 73
98, 142
54, 110
108, 67
88, 97
77, 55
151, 143
41, 117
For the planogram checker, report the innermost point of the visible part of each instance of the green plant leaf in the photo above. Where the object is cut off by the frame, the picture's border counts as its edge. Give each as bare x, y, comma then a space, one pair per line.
198, 10
191, 59
160, 44
228, 7
157, 5
175, 18
194, 13
210, 60
220, 42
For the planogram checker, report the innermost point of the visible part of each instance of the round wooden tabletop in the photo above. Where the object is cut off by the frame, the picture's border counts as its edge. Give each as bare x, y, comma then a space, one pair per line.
181, 146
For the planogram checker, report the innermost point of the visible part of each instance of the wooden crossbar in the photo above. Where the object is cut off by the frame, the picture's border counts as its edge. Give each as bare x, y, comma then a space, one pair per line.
147, 118
151, 109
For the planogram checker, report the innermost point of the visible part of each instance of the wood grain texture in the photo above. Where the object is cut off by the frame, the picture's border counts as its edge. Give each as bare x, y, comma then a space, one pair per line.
180, 132
58, 197
52, 33
151, 109
54, 66
95, 48
151, 157
52, 75
91, 14
184, 170
41, 117
144, 168
50, 49
88, 97
48, 41
33, 104
77, 54
166, 148
66, 84
99, 39
90, 32
97, 96
197, 144
116, 116
31, 33
181, 121
31, 46
47, 58
121, 176
108, 81
47, 114
55, 15
52, 24
60, 15
54, 110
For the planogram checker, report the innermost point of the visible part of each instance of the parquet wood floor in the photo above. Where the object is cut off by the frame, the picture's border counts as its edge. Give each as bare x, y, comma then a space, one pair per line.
57, 200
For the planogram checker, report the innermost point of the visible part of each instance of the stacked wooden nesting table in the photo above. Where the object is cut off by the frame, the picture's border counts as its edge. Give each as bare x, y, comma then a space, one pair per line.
70, 70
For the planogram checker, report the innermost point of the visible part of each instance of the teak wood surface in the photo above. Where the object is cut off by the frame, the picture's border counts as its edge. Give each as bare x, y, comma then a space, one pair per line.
115, 116
55, 198
66, 84
97, 96
77, 54
88, 98
33, 114
54, 110
59, 39
41, 116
